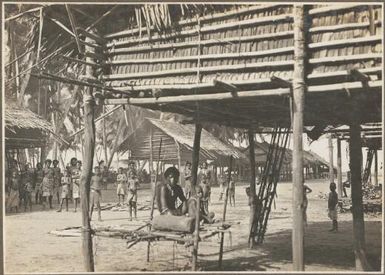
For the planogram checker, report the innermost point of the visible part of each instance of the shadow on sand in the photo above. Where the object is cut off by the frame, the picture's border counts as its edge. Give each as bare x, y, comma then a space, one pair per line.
322, 249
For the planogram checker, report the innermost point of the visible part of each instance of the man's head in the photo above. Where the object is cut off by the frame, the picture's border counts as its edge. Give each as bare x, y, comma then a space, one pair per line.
204, 165
55, 163
171, 175
188, 164
39, 166
132, 165
73, 161
48, 162
120, 170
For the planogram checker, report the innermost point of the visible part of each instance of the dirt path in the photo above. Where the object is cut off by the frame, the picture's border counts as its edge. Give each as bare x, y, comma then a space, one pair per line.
29, 247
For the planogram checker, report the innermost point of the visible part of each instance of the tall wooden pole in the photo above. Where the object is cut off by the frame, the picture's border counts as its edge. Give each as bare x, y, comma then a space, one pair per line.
89, 148
355, 156
252, 186
375, 178
297, 124
104, 136
195, 157
331, 165
339, 168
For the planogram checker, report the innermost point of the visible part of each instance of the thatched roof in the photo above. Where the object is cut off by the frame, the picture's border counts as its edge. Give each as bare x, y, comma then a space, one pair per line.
261, 150
174, 135
17, 117
237, 61
23, 128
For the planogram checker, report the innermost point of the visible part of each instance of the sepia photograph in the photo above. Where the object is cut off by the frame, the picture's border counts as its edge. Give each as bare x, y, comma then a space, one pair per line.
157, 137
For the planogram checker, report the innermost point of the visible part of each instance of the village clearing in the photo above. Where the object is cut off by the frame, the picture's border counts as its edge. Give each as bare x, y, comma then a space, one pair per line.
30, 248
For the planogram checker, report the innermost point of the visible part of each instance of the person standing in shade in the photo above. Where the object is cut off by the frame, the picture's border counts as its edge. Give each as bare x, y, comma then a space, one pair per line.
75, 175
121, 188
56, 180
39, 176
306, 190
65, 189
96, 193
47, 184
132, 196
332, 207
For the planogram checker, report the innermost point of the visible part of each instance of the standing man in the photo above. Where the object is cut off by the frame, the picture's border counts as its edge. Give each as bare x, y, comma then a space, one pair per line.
187, 179
56, 179
205, 183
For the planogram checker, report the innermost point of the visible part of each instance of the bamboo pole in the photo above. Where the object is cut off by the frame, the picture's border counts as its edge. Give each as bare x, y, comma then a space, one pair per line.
339, 168
375, 178
331, 164
252, 186
341, 87
297, 124
355, 156
89, 148
195, 157
224, 212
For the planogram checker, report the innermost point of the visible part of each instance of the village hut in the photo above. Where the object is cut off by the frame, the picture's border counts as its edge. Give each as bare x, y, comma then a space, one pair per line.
177, 145
24, 130
246, 66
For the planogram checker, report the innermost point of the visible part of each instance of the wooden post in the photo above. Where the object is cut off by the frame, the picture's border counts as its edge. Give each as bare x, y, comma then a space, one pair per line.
104, 136
252, 186
375, 178
89, 148
331, 165
297, 124
195, 157
224, 212
355, 156
339, 168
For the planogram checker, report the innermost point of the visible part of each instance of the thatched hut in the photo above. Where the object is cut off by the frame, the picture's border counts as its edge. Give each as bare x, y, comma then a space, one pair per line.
177, 144
246, 66
25, 130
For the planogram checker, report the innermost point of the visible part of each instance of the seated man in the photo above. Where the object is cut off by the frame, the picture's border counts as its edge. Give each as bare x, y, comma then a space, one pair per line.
168, 194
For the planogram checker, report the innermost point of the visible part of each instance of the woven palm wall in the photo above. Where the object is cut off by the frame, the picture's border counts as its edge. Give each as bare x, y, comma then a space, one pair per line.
247, 43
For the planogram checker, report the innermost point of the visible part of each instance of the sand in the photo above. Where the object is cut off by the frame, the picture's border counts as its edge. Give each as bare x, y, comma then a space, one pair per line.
29, 247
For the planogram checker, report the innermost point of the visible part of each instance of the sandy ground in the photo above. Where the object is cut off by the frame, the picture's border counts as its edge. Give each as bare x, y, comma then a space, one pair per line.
29, 247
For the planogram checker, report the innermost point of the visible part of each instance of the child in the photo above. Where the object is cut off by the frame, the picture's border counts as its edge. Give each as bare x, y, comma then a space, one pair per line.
232, 191
132, 192
121, 181
39, 175
332, 206
222, 185
65, 189
96, 192
75, 175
